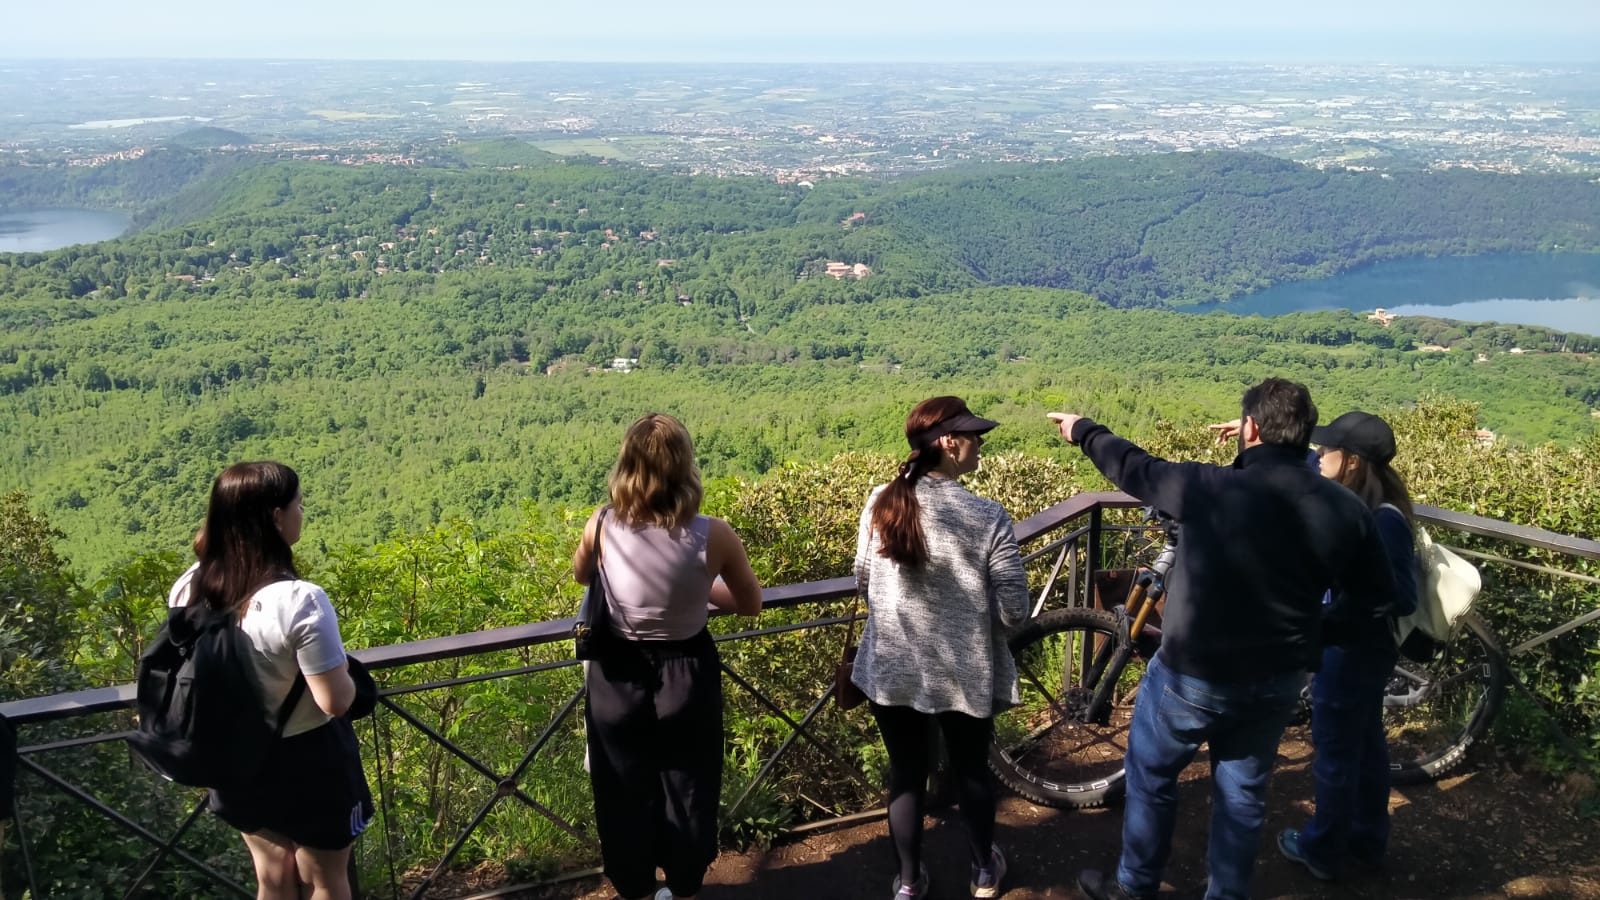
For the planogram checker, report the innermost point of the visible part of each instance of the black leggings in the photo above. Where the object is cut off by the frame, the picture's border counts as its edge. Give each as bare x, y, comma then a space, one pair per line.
966, 739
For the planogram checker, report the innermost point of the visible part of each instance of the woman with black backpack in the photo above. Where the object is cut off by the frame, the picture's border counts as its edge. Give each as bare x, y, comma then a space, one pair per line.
304, 807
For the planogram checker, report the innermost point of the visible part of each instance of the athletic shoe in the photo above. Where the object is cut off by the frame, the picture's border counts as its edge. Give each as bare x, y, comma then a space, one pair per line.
664, 894
986, 879
1289, 846
914, 891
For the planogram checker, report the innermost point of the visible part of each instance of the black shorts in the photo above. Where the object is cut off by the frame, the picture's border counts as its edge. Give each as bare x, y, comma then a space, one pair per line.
311, 790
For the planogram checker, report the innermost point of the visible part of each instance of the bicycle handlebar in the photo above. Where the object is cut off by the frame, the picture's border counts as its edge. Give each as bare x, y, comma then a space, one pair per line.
1164, 560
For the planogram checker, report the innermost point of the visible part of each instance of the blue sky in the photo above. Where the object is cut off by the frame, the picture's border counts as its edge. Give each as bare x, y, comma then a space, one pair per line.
815, 30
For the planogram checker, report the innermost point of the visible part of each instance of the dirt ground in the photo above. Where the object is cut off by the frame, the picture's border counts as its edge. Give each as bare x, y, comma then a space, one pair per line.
1485, 833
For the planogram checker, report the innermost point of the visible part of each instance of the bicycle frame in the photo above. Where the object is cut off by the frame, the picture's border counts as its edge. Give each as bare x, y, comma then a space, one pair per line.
1111, 659
1422, 689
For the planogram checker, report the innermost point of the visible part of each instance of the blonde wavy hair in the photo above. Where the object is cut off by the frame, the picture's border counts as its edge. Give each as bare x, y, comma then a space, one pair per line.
655, 479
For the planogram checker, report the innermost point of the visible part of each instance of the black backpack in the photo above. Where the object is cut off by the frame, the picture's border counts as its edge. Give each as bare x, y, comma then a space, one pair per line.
201, 718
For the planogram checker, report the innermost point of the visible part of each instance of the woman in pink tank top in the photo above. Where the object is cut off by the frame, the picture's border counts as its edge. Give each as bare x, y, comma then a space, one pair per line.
654, 711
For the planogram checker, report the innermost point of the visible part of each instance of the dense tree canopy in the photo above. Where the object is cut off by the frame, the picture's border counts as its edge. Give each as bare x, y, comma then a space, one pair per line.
438, 341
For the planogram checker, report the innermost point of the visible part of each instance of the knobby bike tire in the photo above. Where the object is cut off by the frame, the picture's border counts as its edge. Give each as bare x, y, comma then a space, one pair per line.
1043, 749
1433, 712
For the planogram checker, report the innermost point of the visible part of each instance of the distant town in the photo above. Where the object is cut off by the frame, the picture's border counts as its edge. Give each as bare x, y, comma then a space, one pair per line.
804, 123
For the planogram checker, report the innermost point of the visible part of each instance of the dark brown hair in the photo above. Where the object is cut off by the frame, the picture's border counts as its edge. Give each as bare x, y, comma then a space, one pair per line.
239, 547
1375, 483
1283, 411
896, 514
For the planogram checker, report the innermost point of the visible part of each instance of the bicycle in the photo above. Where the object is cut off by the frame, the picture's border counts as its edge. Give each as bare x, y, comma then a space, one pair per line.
1080, 669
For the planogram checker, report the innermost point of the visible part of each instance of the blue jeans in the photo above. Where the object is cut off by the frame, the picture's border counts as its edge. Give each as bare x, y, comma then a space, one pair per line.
1352, 764
1241, 723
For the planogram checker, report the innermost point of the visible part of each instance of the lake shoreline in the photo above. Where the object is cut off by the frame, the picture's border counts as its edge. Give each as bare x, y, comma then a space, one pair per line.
40, 230
1560, 291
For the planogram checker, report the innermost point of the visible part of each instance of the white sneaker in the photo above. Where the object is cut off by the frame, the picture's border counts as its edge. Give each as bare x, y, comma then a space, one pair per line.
664, 894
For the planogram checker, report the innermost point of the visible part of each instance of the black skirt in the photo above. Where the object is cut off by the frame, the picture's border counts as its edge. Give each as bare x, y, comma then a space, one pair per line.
311, 790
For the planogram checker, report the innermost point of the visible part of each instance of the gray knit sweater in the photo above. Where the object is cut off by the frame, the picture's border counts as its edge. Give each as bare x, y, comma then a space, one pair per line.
935, 633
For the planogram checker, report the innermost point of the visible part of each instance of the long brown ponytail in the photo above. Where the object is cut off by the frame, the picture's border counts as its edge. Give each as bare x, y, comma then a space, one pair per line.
896, 516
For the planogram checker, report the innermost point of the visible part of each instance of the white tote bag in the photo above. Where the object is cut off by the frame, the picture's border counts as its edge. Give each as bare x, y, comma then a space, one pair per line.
1446, 588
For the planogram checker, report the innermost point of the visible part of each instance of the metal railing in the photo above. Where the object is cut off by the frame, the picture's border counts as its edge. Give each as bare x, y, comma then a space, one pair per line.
1065, 546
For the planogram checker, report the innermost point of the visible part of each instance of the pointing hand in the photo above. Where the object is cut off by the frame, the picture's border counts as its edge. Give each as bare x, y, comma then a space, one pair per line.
1226, 431
1064, 423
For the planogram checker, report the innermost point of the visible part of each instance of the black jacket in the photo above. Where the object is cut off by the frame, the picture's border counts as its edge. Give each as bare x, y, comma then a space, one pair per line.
1261, 542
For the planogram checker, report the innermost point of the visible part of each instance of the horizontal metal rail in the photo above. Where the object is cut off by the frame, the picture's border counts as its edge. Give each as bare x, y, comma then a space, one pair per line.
1526, 535
514, 637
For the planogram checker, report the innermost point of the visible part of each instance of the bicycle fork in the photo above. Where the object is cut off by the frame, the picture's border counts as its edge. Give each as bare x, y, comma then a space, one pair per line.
1112, 657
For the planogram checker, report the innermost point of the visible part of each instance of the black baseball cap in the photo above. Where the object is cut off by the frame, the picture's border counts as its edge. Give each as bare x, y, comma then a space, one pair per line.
1361, 433
960, 423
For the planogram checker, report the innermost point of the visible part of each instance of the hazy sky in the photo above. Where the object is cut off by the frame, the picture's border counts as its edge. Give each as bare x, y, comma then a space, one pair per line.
813, 30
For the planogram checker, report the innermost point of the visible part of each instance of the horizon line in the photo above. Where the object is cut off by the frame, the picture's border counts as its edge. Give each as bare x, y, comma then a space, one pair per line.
768, 62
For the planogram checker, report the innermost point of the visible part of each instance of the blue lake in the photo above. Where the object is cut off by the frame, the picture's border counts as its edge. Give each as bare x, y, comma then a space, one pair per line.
1560, 291
37, 230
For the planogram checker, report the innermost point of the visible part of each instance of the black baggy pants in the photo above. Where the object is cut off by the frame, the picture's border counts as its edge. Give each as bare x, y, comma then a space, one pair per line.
654, 718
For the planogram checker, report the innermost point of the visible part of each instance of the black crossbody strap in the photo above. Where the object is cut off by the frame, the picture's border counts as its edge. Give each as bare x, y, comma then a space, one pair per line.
599, 532
296, 691
850, 633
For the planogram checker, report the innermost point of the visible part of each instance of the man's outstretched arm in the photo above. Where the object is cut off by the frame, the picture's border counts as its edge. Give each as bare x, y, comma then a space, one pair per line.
1150, 478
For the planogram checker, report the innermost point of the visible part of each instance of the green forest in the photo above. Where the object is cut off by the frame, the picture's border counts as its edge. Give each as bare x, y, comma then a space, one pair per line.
460, 339
449, 353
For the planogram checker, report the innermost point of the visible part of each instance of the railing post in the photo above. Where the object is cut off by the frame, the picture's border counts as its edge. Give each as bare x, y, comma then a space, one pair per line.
1091, 564
22, 842
1072, 571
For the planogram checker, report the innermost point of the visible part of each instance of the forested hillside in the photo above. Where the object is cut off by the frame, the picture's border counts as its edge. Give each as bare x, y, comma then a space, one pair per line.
443, 342
1185, 228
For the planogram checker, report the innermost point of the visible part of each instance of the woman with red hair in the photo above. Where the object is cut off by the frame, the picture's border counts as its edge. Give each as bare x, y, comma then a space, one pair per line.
943, 578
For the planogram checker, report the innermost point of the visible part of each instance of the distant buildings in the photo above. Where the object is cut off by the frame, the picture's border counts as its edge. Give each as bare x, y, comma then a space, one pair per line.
101, 159
841, 270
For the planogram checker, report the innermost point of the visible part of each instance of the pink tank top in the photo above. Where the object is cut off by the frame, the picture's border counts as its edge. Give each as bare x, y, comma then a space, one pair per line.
657, 585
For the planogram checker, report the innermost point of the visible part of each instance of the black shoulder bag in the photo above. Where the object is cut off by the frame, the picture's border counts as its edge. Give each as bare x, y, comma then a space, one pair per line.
366, 699
590, 629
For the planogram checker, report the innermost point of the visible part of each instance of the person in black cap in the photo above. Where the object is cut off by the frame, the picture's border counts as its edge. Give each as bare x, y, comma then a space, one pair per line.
1351, 822
1261, 541
942, 576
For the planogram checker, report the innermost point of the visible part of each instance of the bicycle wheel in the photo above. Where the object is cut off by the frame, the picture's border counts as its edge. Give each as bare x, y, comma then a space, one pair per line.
1045, 749
1434, 711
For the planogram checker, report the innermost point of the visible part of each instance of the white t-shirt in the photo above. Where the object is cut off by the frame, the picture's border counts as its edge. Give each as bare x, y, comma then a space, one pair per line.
292, 626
